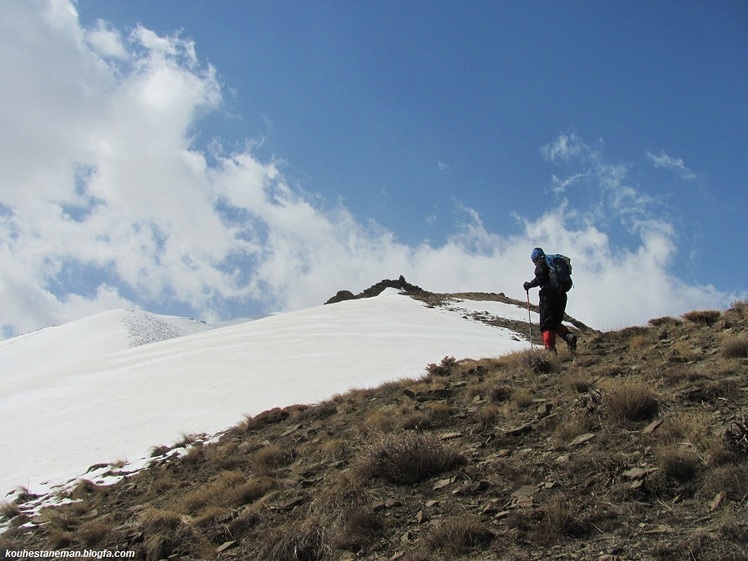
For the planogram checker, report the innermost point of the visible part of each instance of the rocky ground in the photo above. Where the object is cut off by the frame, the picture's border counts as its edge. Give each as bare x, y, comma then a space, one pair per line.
634, 450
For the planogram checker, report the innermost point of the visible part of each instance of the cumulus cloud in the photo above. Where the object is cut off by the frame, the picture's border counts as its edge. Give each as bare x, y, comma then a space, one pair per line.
106, 202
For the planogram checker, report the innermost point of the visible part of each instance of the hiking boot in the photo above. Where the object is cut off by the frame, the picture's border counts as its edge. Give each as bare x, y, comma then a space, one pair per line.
571, 342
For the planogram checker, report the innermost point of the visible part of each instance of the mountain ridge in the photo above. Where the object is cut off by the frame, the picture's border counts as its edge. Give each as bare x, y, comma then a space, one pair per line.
116, 405
634, 451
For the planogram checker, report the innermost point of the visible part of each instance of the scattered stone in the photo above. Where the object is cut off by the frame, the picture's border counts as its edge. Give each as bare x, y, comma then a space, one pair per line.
442, 483
544, 410
717, 501
291, 504
638, 473
520, 430
291, 430
450, 435
226, 545
653, 426
582, 438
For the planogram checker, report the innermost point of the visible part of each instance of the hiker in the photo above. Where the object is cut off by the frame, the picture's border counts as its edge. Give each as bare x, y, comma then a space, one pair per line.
552, 304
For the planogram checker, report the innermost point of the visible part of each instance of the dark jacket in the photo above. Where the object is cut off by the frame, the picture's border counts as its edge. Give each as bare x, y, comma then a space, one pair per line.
542, 277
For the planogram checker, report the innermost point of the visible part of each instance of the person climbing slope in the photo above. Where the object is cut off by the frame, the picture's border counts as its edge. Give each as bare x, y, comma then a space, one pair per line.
554, 279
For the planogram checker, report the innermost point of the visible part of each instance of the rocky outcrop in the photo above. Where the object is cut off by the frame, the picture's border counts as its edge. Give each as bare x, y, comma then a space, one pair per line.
377, 289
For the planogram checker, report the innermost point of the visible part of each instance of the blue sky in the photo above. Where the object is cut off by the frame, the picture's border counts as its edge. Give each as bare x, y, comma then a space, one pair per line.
230, 159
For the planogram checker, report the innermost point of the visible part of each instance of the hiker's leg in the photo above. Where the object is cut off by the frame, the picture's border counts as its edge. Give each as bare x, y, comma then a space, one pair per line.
549, 339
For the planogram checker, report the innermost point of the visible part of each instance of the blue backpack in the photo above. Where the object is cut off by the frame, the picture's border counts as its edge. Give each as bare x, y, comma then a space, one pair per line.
559, 272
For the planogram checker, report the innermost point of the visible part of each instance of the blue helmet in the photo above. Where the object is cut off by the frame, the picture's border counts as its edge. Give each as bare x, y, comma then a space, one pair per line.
536, 254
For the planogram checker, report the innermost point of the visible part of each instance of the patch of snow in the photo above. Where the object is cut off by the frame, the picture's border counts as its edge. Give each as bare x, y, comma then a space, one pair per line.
72, 410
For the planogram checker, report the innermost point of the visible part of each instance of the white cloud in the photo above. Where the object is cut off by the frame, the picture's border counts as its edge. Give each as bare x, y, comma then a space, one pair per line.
564, 148
106, 202
663, 160
106, 41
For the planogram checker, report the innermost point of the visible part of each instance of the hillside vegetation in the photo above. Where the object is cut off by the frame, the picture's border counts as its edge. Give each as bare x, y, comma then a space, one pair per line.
635, 450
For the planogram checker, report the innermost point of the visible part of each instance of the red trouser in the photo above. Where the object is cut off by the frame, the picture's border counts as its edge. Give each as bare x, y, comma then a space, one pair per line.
549, 336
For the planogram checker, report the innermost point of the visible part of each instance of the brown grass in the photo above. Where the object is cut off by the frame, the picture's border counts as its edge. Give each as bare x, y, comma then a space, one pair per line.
457, 536
427, 469
292, 543
409, 458
266, 460
703, 317
735, 347
632, 401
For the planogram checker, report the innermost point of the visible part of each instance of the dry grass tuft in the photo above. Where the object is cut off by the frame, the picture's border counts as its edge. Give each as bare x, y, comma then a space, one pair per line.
680, 464
409, 458
664, 321
168, 534
703, 317
457, 536
631, 401
736, 438
266, 460
735, 347
447, 367
307, 543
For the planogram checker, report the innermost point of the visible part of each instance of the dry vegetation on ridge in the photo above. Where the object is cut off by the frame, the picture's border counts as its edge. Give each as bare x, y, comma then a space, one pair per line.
636, 450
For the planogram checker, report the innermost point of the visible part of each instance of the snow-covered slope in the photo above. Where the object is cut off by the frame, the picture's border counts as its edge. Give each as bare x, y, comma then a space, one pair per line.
87, 338
75, 412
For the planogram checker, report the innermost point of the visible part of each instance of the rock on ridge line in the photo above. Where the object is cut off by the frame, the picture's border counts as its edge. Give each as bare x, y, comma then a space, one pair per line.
377, 289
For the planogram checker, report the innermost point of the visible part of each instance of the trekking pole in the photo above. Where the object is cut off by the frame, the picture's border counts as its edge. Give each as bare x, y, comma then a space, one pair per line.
529, 317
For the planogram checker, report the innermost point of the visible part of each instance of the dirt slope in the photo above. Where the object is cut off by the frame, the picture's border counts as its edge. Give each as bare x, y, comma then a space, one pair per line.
635, 450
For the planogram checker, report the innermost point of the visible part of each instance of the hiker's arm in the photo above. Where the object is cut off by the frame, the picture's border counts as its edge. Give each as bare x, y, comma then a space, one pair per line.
540, 275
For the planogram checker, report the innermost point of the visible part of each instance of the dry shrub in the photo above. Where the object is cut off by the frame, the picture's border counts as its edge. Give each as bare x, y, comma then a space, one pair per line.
522, 398
735, 347
446, 368
569, 429
488, 415
195, 455
431, 416
246, 520
384, 419
9, 510
689, 426
408, 458
226, 455
334, 449
684, 350
93, 532
538, 361
355, 529
638, 343
252, 490
631, 401
726, 541
266, 460
500, 394
168, 534
702, 317
659, 322
559, 519
736, 438
269, 417
293, 543
457, 536
214, 493
680, 464
731, 479
578, 381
